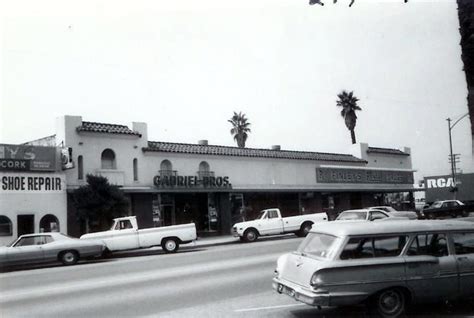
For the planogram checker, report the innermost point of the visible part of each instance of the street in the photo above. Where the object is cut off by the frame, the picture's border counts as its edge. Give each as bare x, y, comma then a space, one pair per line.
232, 280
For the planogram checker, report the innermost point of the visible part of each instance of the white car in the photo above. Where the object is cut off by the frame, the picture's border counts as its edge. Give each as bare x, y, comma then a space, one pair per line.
409, 214
270, 222
125, 235
367, 215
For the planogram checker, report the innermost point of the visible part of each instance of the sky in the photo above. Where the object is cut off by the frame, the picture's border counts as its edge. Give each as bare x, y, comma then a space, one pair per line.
184, 67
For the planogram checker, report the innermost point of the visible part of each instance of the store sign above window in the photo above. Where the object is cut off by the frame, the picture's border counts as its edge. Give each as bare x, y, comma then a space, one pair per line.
13, 182
347, 175
191, 182
27, 158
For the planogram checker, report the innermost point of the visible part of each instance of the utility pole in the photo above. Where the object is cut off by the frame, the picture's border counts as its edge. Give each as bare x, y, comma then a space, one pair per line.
451, 156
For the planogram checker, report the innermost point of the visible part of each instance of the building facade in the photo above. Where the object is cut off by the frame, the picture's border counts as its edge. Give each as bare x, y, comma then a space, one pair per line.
215, 186
32, 191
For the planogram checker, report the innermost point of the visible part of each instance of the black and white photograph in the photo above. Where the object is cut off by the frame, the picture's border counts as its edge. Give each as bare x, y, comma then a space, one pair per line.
251, 158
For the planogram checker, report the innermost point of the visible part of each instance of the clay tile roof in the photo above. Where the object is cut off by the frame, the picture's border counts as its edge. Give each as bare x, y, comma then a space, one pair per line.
388, 151
106, 128
158, 146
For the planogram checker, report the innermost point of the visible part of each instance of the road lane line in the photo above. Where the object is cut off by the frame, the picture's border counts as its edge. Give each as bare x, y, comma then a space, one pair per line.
267, 308
118, 280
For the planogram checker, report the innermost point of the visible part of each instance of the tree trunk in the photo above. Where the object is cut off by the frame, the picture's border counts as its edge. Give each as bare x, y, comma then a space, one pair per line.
353, 136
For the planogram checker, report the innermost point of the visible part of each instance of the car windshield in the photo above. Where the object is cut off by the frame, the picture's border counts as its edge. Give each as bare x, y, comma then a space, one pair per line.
352, 215
436, 204
318, 245
260, 215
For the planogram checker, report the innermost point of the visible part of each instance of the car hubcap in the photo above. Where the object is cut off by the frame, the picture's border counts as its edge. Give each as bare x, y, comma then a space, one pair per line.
251, 236
170, 245
69, 257
390, 302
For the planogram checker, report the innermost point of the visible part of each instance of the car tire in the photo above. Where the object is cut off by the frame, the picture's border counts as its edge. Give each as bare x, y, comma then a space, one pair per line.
250, 235
465, 214
389, 303
305, 228
170, 245
69, 257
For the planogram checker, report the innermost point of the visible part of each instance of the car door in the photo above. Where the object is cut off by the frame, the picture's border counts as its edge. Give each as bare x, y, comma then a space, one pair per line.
272, 224
123, 237
431, 270
26, 250
464, 249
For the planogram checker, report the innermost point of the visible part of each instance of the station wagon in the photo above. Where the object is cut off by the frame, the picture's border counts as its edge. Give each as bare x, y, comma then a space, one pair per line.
387, 265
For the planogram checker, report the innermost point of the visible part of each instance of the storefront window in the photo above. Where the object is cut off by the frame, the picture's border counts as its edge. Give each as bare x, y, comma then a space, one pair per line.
5, 226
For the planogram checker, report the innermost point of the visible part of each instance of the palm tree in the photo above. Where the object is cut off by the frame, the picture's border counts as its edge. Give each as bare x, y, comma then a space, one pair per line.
240, 128
348, 102
466, 22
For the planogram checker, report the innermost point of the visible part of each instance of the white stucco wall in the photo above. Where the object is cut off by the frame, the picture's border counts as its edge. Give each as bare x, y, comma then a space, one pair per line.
243, 172
39, 202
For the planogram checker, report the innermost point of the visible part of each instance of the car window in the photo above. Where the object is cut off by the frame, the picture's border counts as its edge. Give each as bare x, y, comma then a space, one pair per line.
272, 214
352, 215
30, 240
125, 224
368, 247
319, 245
434, 244
464, 243
376, 215
48, 239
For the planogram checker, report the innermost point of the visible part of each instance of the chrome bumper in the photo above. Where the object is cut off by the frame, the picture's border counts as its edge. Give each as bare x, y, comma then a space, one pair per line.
298, 293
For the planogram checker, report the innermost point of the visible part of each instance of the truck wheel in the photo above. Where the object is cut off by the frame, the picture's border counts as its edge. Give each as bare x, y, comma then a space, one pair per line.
389, 303
250, 235
170, 245
69, 257
305, 228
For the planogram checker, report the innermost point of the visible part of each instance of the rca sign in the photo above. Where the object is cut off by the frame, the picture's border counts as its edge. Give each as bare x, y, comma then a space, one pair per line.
439, 183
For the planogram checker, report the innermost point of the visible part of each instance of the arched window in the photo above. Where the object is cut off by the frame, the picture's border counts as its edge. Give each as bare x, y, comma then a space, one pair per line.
49, 223
204, 170
204, 166
5, 226
135, 169
108, 159
80, 168
166, 168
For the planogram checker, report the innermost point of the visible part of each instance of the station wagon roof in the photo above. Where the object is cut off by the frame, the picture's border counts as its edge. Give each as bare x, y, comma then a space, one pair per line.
385, 227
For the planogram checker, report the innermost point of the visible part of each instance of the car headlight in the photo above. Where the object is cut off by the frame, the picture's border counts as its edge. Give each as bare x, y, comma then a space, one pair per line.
316, 281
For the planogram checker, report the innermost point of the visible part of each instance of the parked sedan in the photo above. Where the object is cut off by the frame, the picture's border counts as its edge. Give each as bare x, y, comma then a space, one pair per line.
49, 247
408, 214
367, 215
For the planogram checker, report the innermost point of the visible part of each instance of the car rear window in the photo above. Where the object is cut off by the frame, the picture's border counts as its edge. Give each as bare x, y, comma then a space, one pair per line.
464, 243
369, 247
433, 244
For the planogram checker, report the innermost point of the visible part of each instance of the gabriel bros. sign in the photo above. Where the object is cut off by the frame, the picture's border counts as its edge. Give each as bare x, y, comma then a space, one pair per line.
191, 182
347, 175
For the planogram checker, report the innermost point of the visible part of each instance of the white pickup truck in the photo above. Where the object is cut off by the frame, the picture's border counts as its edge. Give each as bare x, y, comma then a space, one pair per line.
125, 235
270, 222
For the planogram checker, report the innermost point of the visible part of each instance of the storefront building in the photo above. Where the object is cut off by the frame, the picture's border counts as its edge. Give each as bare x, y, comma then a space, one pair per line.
215, 186
32, 191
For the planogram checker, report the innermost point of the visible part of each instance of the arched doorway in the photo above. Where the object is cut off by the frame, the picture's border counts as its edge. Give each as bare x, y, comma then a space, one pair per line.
49, 223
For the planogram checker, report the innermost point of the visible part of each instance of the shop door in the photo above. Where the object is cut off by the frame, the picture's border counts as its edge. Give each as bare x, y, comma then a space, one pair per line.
25, 224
